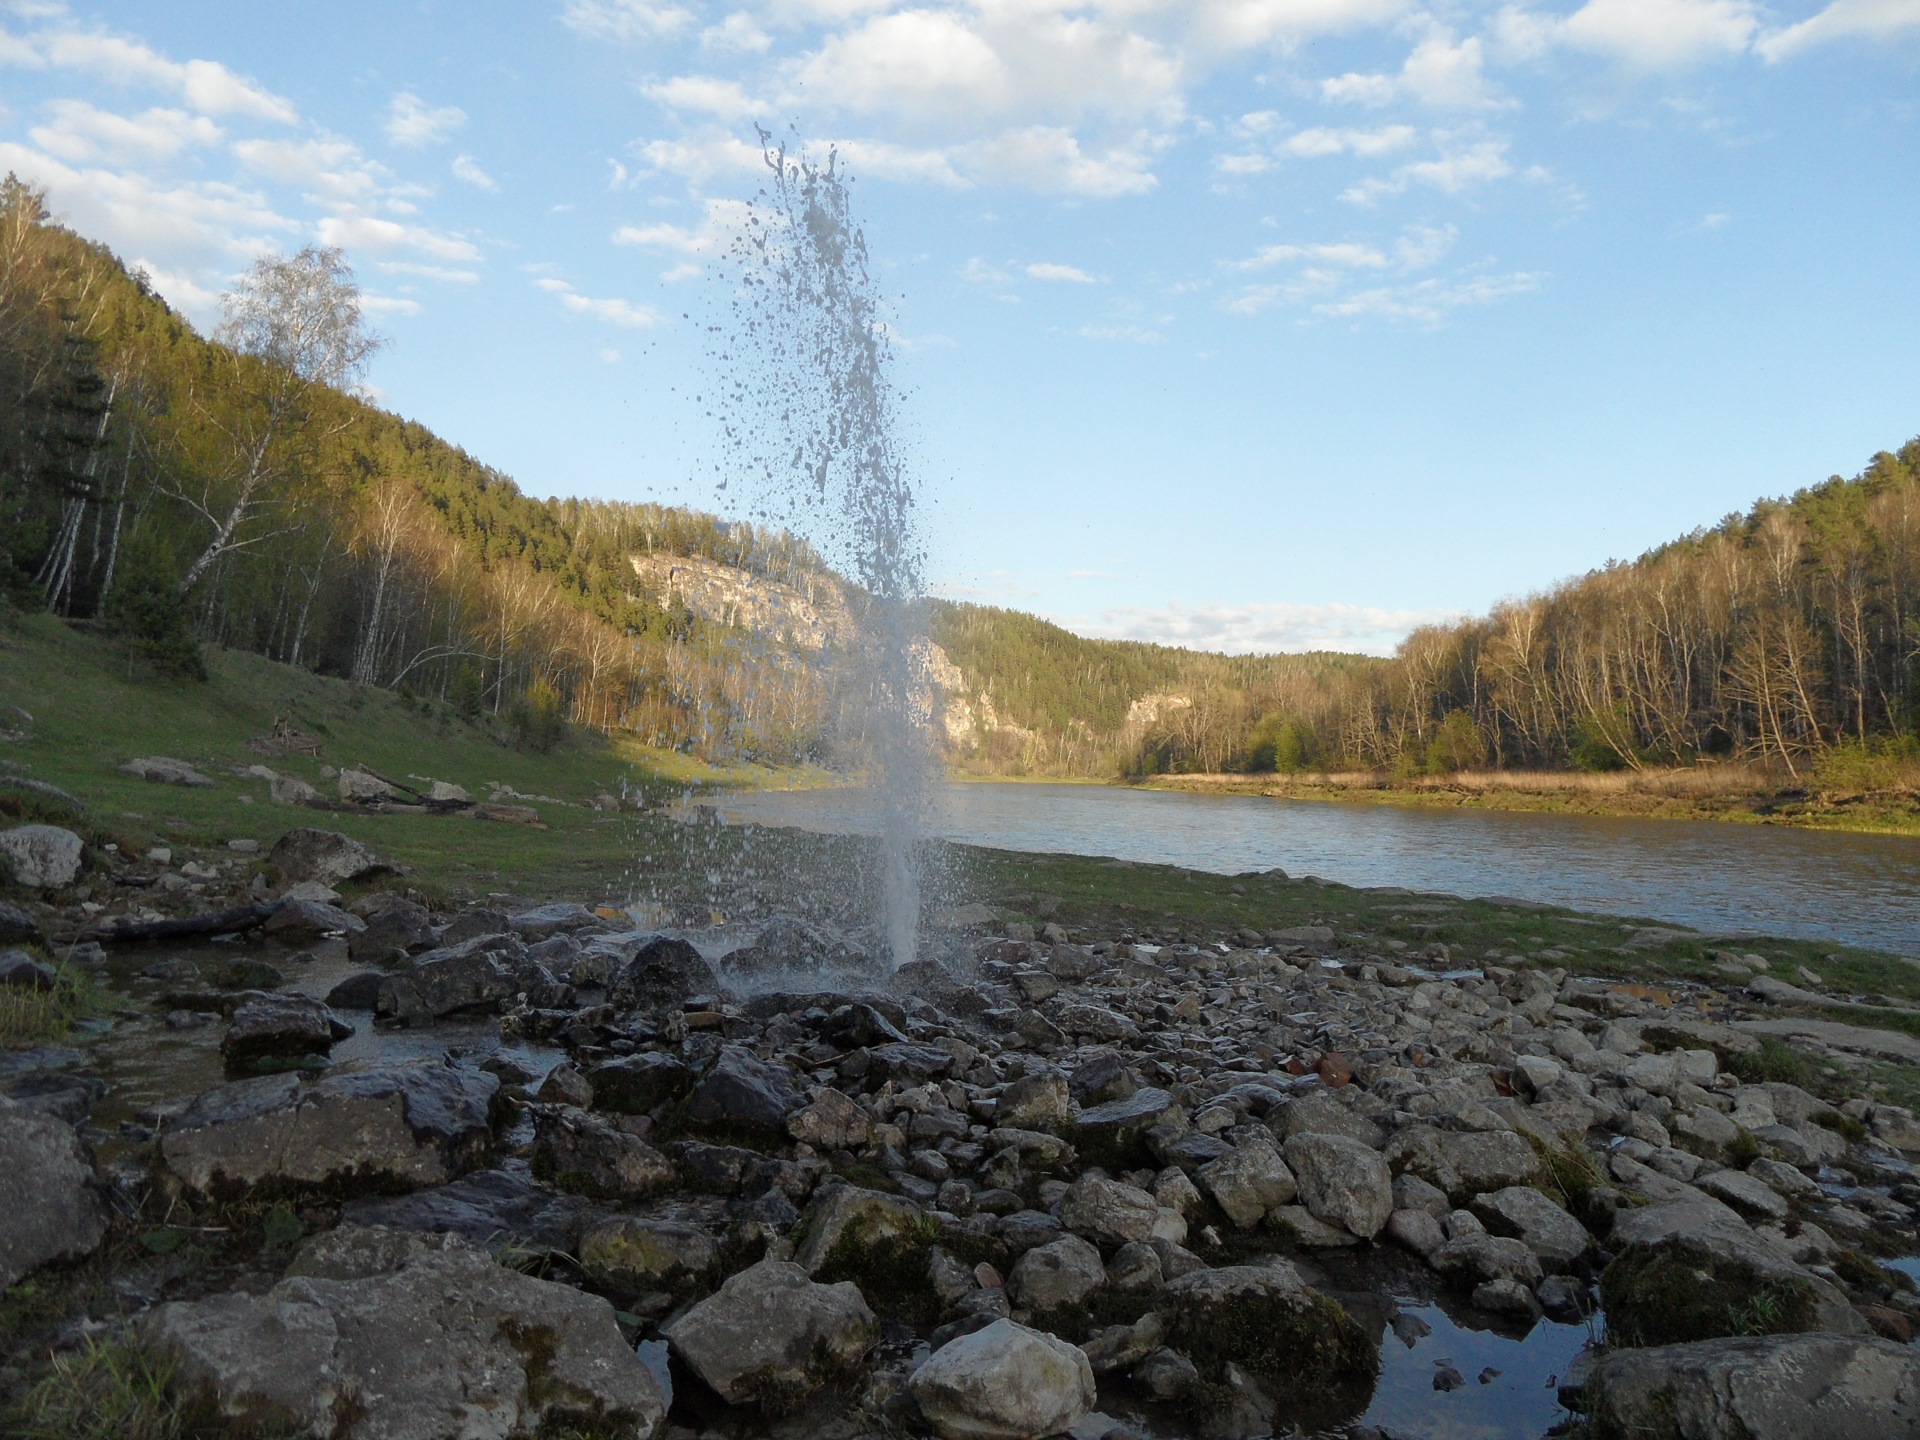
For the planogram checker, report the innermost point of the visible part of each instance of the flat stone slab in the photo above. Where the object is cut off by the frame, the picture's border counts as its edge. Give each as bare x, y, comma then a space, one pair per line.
1881, 1044
381, 1127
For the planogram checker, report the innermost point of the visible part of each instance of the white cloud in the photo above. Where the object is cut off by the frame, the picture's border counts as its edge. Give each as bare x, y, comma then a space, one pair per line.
202, 85
737, 33
79, 132
1429, 302
388, 304
414, 123
723, 99
612, 311
1438, 73
430, 272
1459, 167
624, 20
1046, 270
720, 222
1844, 20
1262, 628
979, 272
1644, 34
1229, 25
884, 160
1382, 140
328, 169
468, 172
698, 158
609, 355
1346, 253
355, 230
1044, 157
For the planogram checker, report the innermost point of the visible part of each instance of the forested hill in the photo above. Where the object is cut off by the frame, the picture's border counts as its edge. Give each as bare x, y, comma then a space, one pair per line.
178, 490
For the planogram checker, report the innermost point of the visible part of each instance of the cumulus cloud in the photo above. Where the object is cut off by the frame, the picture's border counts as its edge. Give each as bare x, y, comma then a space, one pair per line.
1644, 34
413, 123
1844, 20
1047, 270
204, 86
1442, 73
80, 132
1255, 629
468, 172
1461, 165
612, 311
737, 33
704, 95
720, 222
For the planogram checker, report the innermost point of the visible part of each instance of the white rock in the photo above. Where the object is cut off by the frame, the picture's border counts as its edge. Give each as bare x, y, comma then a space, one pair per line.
1004, 1382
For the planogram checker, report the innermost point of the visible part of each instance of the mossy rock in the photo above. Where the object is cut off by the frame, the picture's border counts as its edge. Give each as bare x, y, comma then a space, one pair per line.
1675, 1293
1266, 1321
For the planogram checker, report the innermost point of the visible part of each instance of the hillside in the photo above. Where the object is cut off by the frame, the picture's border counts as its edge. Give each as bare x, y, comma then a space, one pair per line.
181, 491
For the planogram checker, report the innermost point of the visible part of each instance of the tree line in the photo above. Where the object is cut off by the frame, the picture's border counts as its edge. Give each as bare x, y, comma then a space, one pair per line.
1787, 636
180, 490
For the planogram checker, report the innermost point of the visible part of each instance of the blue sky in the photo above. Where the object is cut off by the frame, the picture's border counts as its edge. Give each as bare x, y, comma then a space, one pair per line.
1257, 324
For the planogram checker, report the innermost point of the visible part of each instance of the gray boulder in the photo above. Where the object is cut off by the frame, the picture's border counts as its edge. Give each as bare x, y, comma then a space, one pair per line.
20, 971
1109, 1211
547, 920
52, 1206
163, 770
640, 1256
270, 1032
445, 987
860, 1218
326, 856
583, 1153
830, 1121
1114, 1134
1746, 1193
391, 932
771, 1335
1343, 1181
1464, 1163
1534, 1220
1057, 1275
16, 925
1249, 1180
1776, 1387
1004, 1382
376, 1335
1692, 1270
635, 1084
1035, 1102
742, 1089
301, 922
394, 1127
41, 857
499, 1210
660, 974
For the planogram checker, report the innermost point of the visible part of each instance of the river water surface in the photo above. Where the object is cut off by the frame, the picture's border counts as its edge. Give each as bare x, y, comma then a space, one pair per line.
1723, 878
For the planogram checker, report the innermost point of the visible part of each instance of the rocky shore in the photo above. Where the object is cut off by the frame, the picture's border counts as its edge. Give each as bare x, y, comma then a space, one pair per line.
615, 1181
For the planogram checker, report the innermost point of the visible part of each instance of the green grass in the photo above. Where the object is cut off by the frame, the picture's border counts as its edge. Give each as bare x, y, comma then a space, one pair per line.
112, 1391
92, 711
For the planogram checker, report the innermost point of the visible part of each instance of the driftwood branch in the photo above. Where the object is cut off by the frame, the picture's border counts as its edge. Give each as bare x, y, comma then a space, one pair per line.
226, 922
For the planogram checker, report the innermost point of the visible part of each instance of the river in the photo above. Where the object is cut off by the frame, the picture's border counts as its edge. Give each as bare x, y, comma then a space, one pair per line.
1728, 879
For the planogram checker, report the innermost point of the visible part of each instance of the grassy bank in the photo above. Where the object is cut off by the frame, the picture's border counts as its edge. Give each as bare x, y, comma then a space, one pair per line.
73, 710
1740, 793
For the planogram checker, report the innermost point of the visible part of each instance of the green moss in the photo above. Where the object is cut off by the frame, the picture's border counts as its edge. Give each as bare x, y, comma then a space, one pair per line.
889, 1265
1775, 1060
1676, 1293
1299, 1338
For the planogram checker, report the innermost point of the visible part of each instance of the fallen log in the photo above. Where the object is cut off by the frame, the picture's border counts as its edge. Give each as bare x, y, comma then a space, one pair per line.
225, 922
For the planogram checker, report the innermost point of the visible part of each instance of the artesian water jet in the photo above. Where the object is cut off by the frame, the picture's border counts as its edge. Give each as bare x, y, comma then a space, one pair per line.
810, 413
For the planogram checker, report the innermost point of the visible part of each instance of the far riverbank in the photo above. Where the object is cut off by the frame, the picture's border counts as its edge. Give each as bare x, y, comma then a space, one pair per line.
1724, 792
